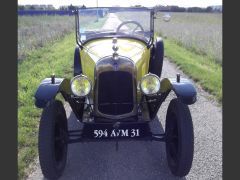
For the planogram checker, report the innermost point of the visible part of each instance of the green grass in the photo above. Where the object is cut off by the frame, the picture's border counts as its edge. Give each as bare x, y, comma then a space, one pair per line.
200, 68
37, 31
54, 58
198, 32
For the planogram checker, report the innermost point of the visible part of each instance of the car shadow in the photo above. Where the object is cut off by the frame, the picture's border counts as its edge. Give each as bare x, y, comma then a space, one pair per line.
142, 160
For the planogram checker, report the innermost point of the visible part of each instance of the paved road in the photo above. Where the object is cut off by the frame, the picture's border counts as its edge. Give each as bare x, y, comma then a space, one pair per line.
207, 122
147, 160
113, 22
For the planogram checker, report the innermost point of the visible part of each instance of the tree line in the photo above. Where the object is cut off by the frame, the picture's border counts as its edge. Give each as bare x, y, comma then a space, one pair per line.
158, 8
48, 7
189, 9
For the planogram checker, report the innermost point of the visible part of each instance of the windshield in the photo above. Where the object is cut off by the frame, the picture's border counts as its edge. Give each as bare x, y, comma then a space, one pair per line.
114, 22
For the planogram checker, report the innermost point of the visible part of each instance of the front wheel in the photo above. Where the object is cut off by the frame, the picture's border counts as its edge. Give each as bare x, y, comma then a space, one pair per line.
179, 138
52, 142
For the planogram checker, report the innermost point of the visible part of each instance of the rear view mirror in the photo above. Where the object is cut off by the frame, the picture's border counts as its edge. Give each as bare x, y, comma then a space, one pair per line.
166, 17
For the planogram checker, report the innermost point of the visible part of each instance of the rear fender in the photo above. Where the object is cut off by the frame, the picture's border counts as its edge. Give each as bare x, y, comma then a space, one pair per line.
48, 90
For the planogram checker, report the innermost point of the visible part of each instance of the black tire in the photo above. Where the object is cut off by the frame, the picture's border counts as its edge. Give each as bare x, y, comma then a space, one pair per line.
156, 62
77, 62
52, 140
179, 138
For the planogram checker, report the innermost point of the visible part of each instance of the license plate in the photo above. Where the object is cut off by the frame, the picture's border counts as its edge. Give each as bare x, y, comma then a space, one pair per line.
106, 131
111, 133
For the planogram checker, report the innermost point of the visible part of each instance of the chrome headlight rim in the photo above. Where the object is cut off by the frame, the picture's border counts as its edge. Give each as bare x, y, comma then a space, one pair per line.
80, 76
144, 77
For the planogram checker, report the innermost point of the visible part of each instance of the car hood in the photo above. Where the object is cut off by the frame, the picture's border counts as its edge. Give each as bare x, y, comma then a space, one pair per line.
132, 49
95, 50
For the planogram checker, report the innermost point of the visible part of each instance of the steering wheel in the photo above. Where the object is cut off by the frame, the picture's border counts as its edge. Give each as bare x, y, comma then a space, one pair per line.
130, 22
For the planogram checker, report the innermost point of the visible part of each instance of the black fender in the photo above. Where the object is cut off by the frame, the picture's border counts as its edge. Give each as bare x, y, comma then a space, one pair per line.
77, 62
183, 89
157, 55
48, 90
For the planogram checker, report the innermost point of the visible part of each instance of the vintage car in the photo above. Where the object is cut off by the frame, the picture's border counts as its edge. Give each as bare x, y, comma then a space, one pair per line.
116, 91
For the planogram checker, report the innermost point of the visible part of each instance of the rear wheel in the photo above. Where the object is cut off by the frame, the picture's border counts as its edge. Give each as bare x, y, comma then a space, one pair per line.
52, 143
156, 62
179, 138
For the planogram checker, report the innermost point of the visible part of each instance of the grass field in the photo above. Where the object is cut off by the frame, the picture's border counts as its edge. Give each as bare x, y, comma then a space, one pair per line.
37, 31
55, 58
199, 67
40, 61
198, 32
43, 51
194, 42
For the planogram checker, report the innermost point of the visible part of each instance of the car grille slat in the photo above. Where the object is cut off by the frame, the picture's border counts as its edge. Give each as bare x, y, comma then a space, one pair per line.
115, 92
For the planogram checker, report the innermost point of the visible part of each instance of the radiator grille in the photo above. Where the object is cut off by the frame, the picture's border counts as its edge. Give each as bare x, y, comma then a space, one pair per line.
115, 92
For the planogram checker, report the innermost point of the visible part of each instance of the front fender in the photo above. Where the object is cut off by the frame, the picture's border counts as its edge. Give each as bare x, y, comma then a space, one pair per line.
47, 90
184, 89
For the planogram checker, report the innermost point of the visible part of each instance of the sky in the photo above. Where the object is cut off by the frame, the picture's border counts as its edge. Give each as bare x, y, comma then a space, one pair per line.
108, 3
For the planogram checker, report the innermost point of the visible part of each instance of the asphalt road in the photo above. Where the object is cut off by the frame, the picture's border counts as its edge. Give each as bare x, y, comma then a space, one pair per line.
147, 160
113, 22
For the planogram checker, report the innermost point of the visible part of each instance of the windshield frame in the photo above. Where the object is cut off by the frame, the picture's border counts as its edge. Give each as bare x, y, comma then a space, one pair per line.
147, 42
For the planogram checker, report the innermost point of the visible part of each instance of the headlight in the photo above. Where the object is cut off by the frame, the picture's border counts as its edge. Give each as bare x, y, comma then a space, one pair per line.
81, 85
150, 84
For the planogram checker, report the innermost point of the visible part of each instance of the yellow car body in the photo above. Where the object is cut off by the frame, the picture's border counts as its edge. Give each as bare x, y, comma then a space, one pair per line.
131, 48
